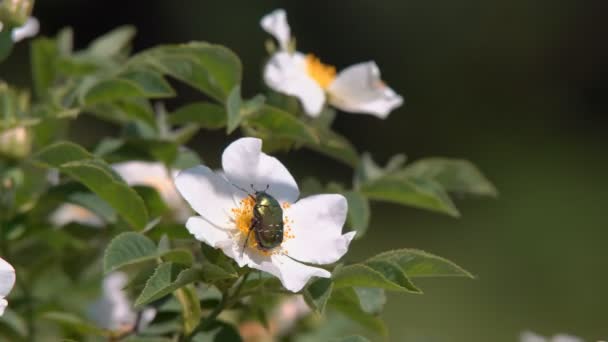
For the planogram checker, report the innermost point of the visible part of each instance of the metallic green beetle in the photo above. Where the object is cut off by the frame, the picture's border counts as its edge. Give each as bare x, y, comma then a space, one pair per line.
267, 222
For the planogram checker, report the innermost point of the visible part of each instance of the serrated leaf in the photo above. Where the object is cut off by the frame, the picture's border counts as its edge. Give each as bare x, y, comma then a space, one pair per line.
417, 263
127, 249
155, 204
75, 323
419, 193
204, 114
212, 69
178, 256
212, 272
282, 125
359, 212
167, 278
455, 175
318, 293
376, 275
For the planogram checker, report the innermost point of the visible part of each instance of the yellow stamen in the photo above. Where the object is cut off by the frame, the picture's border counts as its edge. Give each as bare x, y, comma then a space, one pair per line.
323, 74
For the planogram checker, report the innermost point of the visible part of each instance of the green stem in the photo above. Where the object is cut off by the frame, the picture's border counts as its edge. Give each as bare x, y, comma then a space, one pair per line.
228, 300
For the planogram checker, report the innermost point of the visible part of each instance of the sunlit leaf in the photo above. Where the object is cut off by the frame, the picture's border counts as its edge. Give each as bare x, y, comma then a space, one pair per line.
417, 263
384, 275
167, 278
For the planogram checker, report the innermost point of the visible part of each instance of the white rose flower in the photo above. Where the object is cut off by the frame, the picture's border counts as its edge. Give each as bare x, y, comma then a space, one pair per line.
356, 89
7, 281
150, 174
528, 336
312, 225
27, 30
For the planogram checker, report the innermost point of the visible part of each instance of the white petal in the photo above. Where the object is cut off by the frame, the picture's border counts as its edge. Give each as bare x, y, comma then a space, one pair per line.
157, 176
293, 275
115, 310
528, 336
245, 164
208, 194
3, 305
7, 281
565, 338
29, 29
316, 223
67, 213
359, 89
206, 231
286, 73
276, 24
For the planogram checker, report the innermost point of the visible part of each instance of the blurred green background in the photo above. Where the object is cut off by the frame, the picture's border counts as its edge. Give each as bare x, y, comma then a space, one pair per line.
518, 87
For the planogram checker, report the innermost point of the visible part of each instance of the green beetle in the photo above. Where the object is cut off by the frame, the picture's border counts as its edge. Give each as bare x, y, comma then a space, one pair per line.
267, 222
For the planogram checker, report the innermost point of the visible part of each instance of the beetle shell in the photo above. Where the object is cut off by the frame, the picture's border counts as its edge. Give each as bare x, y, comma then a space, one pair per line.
267, 222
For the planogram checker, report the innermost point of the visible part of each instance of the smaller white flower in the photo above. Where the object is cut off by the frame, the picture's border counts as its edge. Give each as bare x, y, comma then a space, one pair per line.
28, 30
15, 142
356, 89
288, 313
7, 281
114, 311
528, 336
312, 225
151, 174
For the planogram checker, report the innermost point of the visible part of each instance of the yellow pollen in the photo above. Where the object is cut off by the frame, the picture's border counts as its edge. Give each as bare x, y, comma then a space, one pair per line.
323, 74
243, 216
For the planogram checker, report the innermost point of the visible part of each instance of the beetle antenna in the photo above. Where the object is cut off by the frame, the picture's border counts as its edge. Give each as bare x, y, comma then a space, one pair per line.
267, 186
243, 190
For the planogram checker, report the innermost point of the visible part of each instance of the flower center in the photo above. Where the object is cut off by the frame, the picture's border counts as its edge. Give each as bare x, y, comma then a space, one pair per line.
323, 74
242, 217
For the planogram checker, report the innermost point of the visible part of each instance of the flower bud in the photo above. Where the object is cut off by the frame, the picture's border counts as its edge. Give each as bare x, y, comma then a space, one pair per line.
15, 142
14, 13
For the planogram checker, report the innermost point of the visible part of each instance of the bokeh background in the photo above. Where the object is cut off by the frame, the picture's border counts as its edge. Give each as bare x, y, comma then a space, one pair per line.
518, 87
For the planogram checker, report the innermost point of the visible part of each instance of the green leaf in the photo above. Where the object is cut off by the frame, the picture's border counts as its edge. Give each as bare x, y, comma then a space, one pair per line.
282, 125
205, 114
179, 256
233, 109
43, 55
6, 44
62, 152
317, 294
359, 212
112, 43
212, 69
420, 193
152, 84
212, 272
95, 176
155, 204
167, 278
95, 204
334, 145
417, 263
75, 323
111, 90
372, 300
455, 175
346, 301
382, 275
127, 249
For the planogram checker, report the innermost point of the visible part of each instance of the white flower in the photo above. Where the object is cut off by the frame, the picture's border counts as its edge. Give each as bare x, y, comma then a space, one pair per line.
27, 30
312, 225
356, 89
528, 336
7, 281
114, 310
150, 174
